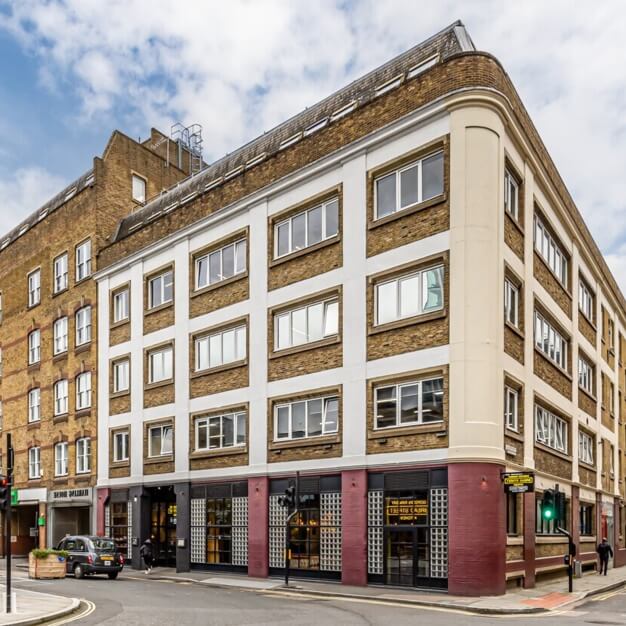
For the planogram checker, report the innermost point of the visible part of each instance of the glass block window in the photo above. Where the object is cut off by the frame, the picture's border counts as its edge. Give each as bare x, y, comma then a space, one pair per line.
198, 530
278, 519
330, 526
439, 533
240, 531
375, 501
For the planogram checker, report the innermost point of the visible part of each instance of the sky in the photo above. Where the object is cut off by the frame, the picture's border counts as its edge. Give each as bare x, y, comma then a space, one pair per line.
71, 71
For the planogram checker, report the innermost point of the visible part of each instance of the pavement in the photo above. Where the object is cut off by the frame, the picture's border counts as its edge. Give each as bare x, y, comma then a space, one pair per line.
545, 597
34, 607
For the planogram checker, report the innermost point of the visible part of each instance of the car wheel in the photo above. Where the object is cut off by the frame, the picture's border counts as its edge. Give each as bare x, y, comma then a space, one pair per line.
112, 575
79, 572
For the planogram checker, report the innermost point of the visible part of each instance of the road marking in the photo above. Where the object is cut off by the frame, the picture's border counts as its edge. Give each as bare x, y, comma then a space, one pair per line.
609, 594
91, 607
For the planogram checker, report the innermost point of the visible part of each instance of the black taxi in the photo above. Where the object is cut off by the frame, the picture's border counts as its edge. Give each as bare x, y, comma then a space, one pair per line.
91, 555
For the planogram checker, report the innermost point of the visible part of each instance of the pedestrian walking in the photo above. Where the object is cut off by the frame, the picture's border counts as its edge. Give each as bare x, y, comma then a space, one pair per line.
147, 553
605, 552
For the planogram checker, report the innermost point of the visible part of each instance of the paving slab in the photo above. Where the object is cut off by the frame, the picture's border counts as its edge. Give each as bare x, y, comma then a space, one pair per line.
34, 607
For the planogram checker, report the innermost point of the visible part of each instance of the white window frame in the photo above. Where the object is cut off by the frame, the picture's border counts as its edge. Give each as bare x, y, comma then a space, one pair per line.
34, 408
550, 429
585, 375
205, 422
240, 263
585, 448
585, 300
511, 206
163, 428
83, 391
398, 280
34, 463
83, 455
121, 313
398, 397
511, 408
550, 251
60, 335
61, 272
547, 340
160, 351
83, 260
325, 431
83, 325
116, 378
34, 346
327, 305
124, 437
141, 198
511, 303
288, 222
34, 287
61, 458
398, 175
202, 346
162, 278
61, 397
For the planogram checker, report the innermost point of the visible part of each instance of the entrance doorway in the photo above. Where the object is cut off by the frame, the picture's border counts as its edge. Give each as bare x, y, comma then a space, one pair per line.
163, 525
408, 557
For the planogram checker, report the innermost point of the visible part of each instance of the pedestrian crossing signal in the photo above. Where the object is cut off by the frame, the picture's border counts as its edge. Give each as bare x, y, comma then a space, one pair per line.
548, 506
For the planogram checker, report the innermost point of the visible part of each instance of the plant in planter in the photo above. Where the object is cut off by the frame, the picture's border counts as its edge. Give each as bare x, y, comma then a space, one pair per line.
47, 563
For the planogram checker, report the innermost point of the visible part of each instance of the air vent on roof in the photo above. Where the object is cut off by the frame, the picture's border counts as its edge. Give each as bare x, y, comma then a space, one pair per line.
23, 230
152, 217
285, 143
313, 128
339, 113
188, 197
42, 214
422, 67
89, 180
4, 244
135, 227
256, 160
389, 85
233, 173
70, 193
214, 183
170, 207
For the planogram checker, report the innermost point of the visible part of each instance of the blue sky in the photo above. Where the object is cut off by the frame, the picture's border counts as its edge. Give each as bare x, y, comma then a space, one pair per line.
71, 71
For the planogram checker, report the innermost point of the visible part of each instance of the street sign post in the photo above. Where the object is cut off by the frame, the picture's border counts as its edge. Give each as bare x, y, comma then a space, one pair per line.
518, 482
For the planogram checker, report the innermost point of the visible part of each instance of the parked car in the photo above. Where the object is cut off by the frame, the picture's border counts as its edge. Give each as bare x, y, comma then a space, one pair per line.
91, 555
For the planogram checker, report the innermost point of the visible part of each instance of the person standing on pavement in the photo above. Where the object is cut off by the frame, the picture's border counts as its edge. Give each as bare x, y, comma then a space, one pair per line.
147, 553
605, 552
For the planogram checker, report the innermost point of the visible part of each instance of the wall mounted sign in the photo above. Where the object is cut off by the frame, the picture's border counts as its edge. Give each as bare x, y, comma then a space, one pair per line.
518, 482
400, 511
70, 495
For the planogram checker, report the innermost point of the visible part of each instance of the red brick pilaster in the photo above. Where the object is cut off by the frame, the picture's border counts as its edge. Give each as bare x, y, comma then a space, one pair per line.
354, 527
101, 501
258, 527
530, 513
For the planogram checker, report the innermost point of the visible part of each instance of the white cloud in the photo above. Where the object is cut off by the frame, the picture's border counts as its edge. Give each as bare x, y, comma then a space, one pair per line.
243, 66
28, 189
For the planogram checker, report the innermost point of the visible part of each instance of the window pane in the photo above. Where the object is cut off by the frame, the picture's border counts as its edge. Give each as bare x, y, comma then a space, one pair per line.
202, 266
408, 403
228, 431
282, 419
228, 347
433, 289
315, 321
282, 235
215, 350
408, 187
331, 321
314, 217
168, 438
241, 343
201, 441
385, 407
155, 292
202, 353
409, 296
215, 433
155, 441
298, 419
168, 284
432, 176
386, 302
315, 417
432, 400
331, 415
241, 428
298, 327
228, 261
215, 267
332, 218
298, 232
282, 329
386, 195
240, 256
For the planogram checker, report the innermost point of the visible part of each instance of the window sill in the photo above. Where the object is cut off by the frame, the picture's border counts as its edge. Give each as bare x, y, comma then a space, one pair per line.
413, 208
514, 329
218, 369
304, 442
514, 540
553, 364
34, 367
409, 429
222, 283
320, 245
116, 464
153, 460
587, 466
82, 280
305, 347
62, 356
119, 394
514, 434
119, 324
161, 383
57, 419
33, 425
219, 452
552, 451
584, 315
30, 307
550, 538
589, 395
34, 482
84, 347
54, 294
58, 480
515, 221
83, 413
161, 307
409, 321
558, 280
83, 477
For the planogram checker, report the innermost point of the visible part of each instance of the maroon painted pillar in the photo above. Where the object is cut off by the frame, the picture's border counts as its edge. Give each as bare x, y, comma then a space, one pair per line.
102, 498
575, 518
530, 512
477, 530
258, 526
354, 527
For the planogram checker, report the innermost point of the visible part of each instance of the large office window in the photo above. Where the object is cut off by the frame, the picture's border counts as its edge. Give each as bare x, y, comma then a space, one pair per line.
511, 195
586, 515
409, 295
306, 418
306, 324
161, 289
160, 364
121, 305
409, 185
306, 228
550, 429
120, 446
410, 403
585, 300
160, 440
220, 431
221, 348
511, 408
121, 376
221, 264
585, 375
585, 447
511, 303
550, 341
550, 250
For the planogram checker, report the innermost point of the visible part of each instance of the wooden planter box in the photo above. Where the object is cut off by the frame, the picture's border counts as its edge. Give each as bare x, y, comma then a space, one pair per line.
53, 566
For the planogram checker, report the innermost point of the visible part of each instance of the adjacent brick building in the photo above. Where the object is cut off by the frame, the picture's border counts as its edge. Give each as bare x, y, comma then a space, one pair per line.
49, 330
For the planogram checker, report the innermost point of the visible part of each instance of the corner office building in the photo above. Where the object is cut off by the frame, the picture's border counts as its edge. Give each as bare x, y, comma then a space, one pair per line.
392, 294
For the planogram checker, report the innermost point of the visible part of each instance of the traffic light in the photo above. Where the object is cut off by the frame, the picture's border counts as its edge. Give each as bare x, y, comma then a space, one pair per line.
5, 493
289, 499
548, 506
560, 505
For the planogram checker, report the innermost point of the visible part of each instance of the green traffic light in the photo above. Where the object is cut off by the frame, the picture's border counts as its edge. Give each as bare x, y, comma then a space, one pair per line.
547, 514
